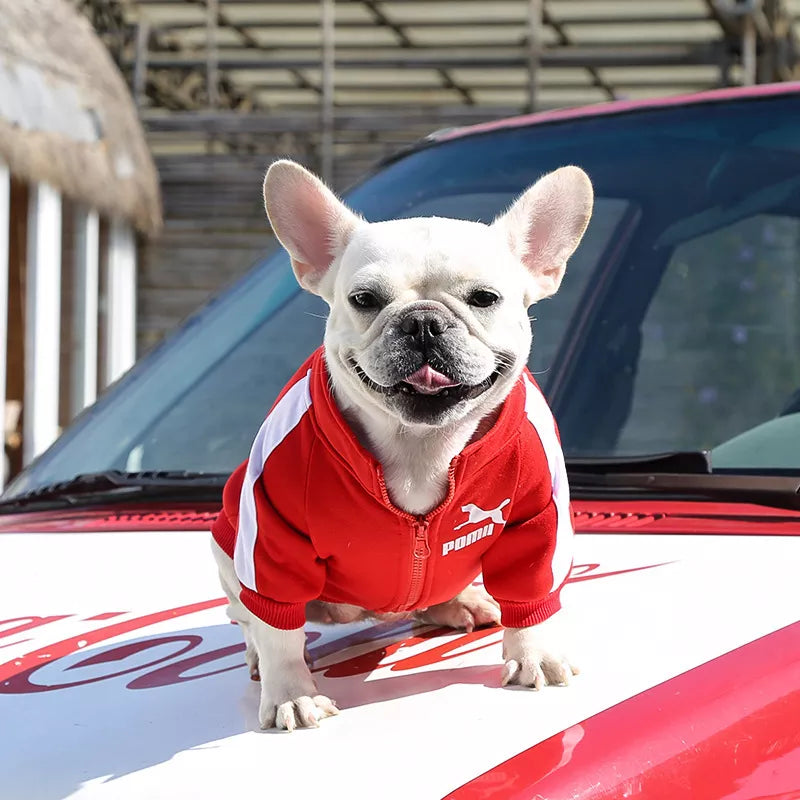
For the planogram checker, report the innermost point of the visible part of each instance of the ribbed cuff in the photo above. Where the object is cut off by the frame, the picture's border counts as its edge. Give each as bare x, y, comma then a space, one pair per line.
286, 616
521, 615
223, 533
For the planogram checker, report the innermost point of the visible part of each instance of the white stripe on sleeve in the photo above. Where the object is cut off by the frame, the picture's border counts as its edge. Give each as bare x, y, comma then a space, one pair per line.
541, 418
281, 420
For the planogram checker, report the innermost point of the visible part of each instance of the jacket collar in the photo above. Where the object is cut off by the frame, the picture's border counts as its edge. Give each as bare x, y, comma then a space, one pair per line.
340, 438
336, 433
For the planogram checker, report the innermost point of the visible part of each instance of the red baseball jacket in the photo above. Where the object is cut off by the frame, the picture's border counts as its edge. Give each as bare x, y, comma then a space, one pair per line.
308, 517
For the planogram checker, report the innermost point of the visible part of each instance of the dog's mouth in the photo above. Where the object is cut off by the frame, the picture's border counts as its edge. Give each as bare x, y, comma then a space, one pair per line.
428, 384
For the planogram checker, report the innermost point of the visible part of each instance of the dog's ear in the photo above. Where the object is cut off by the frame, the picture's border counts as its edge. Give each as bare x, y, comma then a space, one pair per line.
545, 224
309, 220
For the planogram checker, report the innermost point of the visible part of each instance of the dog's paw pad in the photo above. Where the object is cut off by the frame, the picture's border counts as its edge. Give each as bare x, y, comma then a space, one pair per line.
534, 657
558, 673
537, 672
302, 712
516, 673
510, 669
326, 705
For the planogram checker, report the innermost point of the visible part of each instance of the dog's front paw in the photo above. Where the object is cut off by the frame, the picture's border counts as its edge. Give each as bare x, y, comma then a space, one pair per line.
534, 656
290, 701
468, 610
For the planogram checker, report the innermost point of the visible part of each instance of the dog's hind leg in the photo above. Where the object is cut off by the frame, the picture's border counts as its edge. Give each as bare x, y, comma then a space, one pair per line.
469, 609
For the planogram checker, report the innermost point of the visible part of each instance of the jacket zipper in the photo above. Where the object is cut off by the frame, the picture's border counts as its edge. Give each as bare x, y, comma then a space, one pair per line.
419, 558
421, 550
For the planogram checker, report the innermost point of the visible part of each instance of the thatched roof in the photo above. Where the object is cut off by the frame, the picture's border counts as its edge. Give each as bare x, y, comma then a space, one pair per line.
66, 116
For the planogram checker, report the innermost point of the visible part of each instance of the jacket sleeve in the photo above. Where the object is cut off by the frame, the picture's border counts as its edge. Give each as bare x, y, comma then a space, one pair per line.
517, 570
278, 568
265, 504
526, 567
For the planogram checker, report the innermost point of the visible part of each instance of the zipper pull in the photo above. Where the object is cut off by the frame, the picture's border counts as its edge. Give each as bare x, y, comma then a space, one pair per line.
422, 549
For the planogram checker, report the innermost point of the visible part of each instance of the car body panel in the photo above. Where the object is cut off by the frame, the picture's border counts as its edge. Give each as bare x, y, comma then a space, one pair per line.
620, 107
134, 685
727, 729
606, 515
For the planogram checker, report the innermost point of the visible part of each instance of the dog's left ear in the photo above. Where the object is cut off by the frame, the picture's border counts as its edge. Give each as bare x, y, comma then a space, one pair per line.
546, 223
309, 220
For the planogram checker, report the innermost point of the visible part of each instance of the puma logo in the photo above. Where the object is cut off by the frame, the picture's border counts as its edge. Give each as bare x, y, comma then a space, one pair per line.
467, 539
477, 514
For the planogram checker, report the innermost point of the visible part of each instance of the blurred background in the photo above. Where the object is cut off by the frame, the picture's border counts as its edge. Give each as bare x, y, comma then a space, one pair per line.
134, 135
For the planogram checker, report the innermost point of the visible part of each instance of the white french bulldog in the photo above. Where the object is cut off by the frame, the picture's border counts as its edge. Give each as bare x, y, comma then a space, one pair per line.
458, 292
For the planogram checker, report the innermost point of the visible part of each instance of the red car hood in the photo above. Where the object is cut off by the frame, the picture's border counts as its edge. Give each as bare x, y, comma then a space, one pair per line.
121, 677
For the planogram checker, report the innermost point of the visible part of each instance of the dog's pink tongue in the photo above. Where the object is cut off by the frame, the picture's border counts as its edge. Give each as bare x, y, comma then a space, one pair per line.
428, 381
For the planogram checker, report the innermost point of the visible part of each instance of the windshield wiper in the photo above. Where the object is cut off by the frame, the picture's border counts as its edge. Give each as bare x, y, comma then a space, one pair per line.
688, 462
677, 476
671, 476
113, 485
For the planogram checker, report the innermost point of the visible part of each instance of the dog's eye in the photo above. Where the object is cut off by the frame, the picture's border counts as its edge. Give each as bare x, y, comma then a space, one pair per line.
364, 301
483, 298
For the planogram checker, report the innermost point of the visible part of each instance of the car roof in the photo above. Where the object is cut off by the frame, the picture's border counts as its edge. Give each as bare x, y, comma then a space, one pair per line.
618, 107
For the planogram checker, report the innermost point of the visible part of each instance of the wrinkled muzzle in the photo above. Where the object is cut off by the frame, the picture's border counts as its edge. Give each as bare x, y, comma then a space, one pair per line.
424, 362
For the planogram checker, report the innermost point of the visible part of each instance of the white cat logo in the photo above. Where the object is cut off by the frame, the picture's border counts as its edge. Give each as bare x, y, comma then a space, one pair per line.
477, 515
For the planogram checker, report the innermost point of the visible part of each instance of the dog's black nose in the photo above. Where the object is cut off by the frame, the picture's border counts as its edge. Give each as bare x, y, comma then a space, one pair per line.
423, 327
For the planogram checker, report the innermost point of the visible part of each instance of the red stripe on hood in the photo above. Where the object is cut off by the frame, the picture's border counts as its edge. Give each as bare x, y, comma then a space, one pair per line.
728, 728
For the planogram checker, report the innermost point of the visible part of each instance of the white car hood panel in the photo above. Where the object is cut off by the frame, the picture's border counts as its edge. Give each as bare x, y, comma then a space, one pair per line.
643, 609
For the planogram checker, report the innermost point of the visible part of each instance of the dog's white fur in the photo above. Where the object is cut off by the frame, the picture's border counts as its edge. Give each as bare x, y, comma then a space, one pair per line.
521, 256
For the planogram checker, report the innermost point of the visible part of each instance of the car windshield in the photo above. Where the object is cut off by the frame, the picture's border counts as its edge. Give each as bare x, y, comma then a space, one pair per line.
677, 326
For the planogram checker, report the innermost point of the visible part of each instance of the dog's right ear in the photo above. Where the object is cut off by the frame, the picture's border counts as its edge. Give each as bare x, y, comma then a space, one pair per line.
545, 224
309, 220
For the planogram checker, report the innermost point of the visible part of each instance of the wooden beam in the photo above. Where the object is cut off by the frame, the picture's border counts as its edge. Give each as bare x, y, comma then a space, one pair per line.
42, 321
191, 123
328, 30
545, 83
140, 64
618, 54
535, 11
448, 24
749, 51
212, 54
